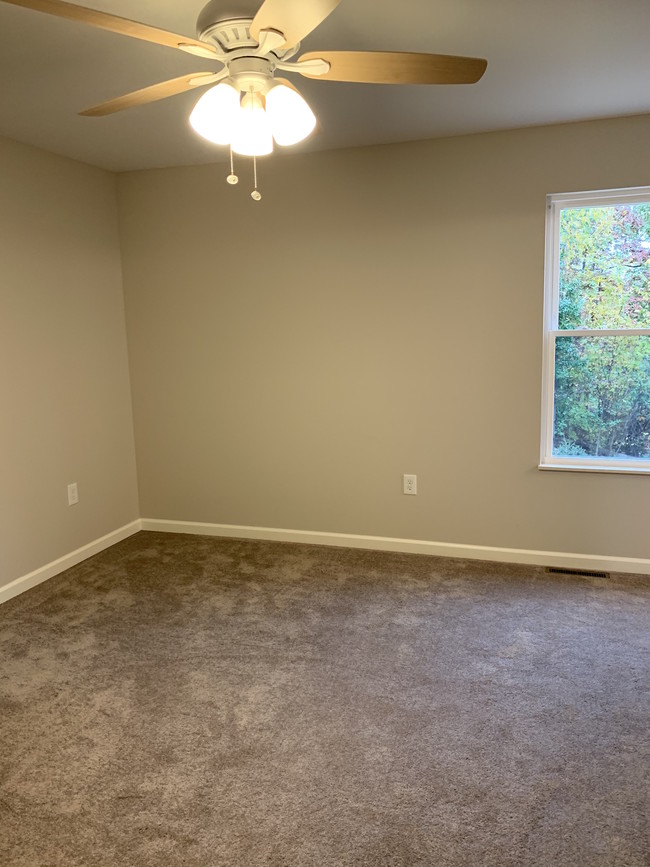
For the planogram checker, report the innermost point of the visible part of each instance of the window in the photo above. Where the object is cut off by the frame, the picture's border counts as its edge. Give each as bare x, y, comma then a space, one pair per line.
596, 382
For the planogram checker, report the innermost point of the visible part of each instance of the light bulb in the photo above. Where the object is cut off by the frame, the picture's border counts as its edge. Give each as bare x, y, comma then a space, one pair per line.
213, 116
291, 118
251, 135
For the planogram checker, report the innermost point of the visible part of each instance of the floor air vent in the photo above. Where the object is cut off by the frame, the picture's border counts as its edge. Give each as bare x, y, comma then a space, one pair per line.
586, 573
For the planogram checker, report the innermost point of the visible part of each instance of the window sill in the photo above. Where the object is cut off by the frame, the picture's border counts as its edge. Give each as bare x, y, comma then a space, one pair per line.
593, 468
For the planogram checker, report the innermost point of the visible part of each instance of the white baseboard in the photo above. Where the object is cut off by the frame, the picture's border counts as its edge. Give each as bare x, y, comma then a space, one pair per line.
340, 540
409, 546
56, 566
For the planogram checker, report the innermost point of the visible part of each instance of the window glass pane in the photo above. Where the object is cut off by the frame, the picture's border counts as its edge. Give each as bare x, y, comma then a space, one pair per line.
605, 267
602, 397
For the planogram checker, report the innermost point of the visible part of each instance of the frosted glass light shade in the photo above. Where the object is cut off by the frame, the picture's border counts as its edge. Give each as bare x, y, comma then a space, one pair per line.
291, 118
251, 132
213, 116
251, 125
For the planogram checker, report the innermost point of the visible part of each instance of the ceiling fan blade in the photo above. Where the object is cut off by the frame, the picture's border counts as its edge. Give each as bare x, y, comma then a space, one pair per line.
118, 25
293, 18
151, 94
396, 67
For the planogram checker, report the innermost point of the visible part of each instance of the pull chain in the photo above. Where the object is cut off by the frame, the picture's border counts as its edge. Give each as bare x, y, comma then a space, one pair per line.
256, 195
232, 177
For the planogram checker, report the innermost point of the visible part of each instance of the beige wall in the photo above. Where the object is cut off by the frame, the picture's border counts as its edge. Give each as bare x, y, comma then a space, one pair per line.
379, 312
65, 406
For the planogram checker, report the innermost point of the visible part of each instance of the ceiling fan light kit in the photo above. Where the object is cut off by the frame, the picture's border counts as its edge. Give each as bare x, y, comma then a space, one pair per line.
248, 109
250, 121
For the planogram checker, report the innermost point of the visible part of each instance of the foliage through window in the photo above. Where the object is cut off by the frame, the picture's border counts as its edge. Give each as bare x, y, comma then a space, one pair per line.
596, 411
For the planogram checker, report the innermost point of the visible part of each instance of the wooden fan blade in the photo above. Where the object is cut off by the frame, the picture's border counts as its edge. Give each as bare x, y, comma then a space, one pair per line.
118, 25
396, 67
151, 94
293, 18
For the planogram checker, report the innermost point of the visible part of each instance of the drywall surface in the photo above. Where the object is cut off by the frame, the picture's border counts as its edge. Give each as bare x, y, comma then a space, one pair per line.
379, 312
65, 404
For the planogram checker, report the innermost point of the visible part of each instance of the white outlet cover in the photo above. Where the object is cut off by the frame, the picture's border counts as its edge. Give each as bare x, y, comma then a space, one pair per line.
410, 483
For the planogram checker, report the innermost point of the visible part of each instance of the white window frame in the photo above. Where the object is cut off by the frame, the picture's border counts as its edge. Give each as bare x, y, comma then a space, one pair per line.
555, 203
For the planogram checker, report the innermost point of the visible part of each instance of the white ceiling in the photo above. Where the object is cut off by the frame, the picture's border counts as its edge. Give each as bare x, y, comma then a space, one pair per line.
548, 61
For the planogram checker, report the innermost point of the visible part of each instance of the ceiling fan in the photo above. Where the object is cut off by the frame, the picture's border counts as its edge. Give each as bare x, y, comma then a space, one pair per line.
249, 107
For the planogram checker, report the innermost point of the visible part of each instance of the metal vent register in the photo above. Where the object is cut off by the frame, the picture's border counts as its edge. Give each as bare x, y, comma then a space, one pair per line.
587, 573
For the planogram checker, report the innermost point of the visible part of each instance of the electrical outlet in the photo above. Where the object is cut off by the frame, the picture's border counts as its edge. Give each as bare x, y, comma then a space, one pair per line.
73, 494
410, 484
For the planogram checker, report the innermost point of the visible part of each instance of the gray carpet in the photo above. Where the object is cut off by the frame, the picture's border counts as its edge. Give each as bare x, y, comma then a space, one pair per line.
184, 700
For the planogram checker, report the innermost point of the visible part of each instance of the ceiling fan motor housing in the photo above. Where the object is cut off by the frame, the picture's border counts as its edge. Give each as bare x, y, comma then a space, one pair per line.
227, 27
225, 10
251, 73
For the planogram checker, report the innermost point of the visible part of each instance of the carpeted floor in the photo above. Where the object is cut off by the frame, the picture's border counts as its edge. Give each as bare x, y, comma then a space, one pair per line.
184, 700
